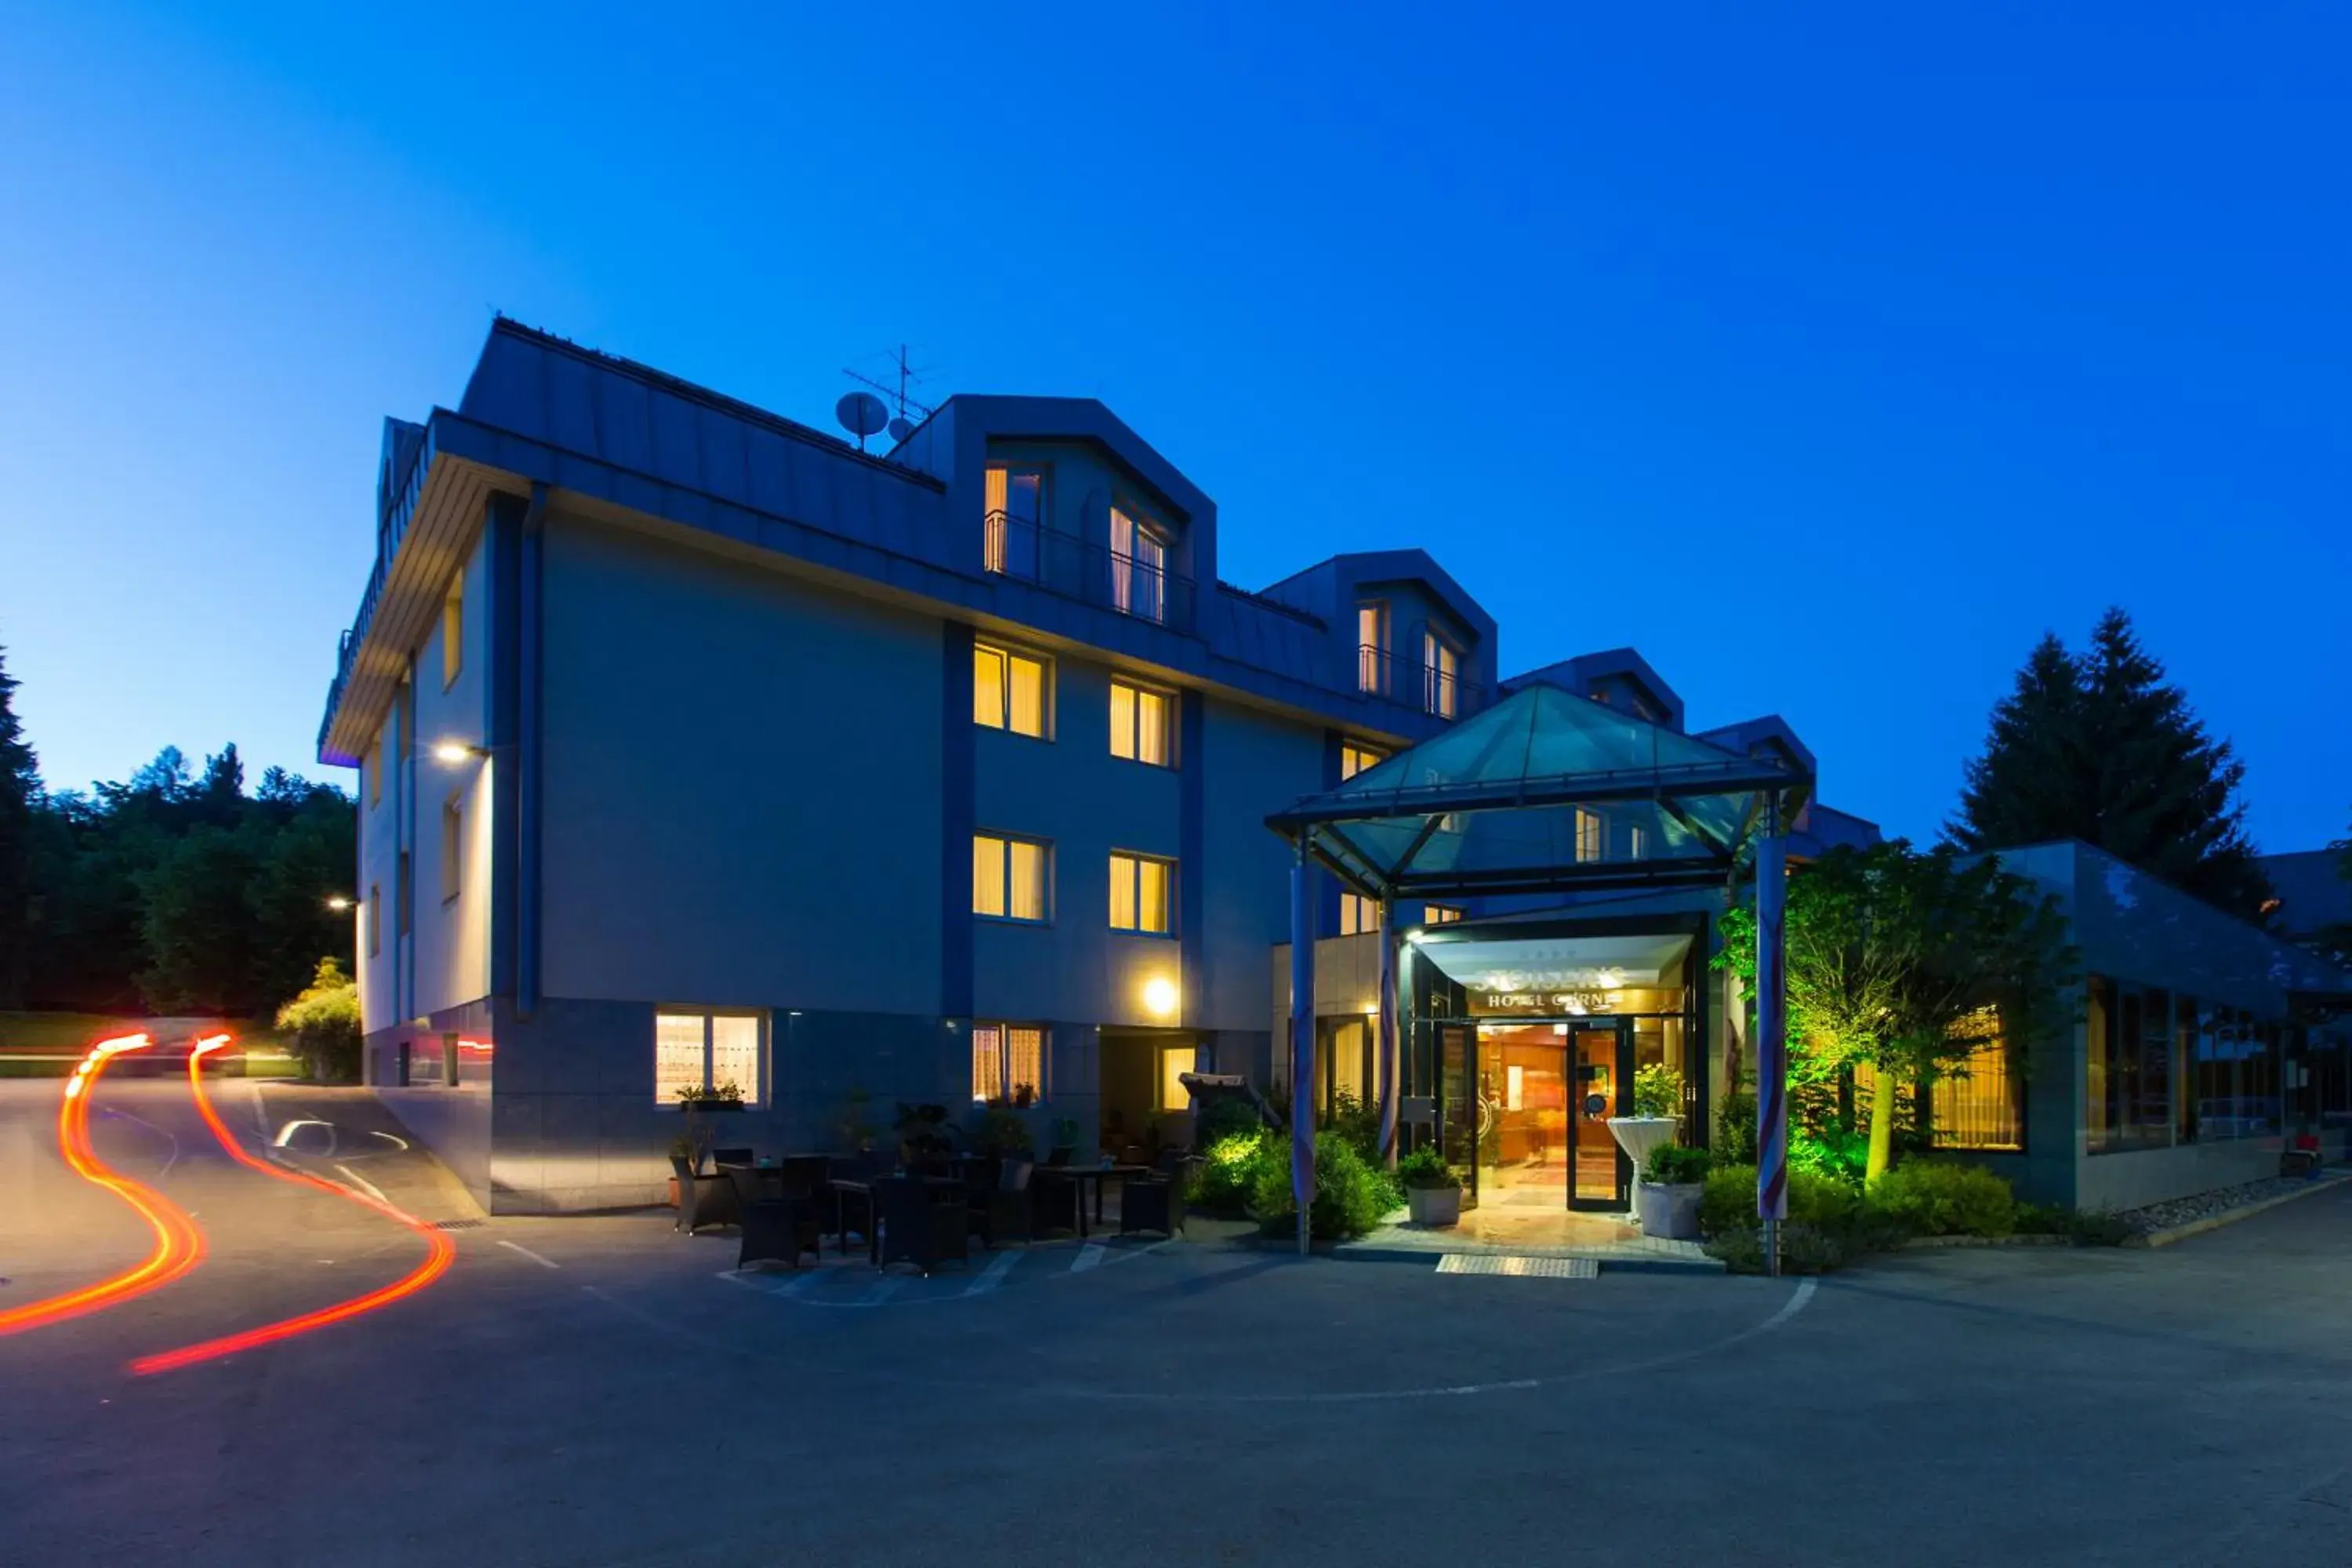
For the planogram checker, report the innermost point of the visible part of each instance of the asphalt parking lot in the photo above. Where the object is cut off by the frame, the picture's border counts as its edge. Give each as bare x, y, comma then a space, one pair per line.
602, 1391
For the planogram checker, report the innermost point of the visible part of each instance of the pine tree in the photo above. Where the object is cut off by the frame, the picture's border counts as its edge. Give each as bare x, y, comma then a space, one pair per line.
20, 787
2102, 748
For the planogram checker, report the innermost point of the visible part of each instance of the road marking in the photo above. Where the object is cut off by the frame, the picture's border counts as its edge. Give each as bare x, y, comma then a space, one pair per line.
259, 1120
1090, 1255
993, 1274
884, 1289
799, 1281
1518, 1267
370, 1188
518, 1247
169, 1160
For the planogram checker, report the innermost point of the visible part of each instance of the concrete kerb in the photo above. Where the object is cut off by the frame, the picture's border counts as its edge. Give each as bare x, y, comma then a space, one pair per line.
2182, 1232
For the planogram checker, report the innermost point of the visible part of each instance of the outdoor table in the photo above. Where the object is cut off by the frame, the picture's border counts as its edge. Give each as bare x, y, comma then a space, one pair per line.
848, 1190
1085, 1173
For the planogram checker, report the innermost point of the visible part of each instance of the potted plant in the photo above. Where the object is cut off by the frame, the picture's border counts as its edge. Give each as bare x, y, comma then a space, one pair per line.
1002, 1132
1672, 1185
1657, 1113
1066, 1140
852, 1127
1431, 1188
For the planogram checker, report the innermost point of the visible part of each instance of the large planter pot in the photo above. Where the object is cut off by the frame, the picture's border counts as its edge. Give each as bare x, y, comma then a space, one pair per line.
1637, 1135
1435, 1205
1671, 1212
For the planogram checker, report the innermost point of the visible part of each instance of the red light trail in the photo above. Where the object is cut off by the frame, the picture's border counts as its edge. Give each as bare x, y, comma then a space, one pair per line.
441, 1251
179, 1245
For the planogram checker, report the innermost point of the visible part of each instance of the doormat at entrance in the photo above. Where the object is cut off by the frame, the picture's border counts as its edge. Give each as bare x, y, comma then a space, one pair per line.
1530, 1268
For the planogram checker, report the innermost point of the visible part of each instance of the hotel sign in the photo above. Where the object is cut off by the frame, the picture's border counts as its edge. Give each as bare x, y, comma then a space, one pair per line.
1541, 1003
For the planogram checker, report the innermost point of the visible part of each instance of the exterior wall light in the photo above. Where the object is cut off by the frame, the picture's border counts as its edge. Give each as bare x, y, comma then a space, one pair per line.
339, 903
1159, 996
449, 753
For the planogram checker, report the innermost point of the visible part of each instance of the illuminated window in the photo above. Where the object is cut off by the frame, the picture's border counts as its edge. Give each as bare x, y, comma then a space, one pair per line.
1008, 1063
1009, 878
1442, 672
372, 914
1440, 914
1175, 1061
708, 1051
1981, 1104
1587, 835
1355, 758
1142, 890
1009, 690
1141, 724
1138, 567
1015, 525
1637, 842
453, 841
453, 630
1357, 914
1372, 648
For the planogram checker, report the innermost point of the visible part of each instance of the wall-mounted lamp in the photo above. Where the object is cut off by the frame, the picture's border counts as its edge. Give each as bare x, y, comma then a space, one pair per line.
449, 753
1159, 996
339, 903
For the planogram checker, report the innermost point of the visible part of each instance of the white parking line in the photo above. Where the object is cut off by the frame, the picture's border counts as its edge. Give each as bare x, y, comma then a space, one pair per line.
370, 1188
884, 1289
1090, 1255
518, 1247
993, 1274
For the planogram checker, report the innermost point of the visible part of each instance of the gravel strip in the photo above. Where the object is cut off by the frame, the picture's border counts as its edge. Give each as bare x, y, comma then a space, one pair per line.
2206, 1206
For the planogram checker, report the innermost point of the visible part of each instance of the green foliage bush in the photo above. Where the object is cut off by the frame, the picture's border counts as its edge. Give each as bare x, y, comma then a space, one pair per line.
1004, 1132
1674, 1165
1735, 1129
1828, 1222
325, 1023
1358, 1122
1930, 1197
1657, 1092
1219, 1182
1426, 1168
1223, 1116
1350, 1196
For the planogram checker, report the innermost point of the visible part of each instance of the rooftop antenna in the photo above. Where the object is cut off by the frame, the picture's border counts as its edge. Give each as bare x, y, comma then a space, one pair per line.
899, 425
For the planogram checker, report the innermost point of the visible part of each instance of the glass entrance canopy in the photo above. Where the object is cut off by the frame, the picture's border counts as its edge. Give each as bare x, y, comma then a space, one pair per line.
1545, 791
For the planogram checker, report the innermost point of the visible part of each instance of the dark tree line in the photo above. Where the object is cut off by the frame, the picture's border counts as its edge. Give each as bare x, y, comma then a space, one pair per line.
170, 893
2099, 747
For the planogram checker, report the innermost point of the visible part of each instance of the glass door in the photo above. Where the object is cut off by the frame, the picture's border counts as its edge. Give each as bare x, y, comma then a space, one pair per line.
1601, 1066
1523, 1115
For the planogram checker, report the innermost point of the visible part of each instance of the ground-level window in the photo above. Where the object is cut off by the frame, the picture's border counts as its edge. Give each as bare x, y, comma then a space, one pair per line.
1143, 893
1008, 1064
1357, 914
1009, 690
2127, 1069
1355, 757
1589, 840
1009, 878
1175, 1061
1981, 1104
708, 1051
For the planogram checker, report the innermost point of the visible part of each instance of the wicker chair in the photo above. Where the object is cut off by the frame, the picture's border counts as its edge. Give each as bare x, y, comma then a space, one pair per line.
1003, 1211
921, 1224
1149, 1203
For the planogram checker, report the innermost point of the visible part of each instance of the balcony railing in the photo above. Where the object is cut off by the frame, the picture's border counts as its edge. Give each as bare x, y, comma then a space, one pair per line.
1385, 673
392, 527
1062, 563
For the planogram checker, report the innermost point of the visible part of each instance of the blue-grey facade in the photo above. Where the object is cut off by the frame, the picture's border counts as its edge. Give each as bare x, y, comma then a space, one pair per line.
668, 709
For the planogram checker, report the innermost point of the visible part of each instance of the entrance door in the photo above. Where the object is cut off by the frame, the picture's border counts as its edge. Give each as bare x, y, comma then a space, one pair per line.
1601, 1069
1523, 1114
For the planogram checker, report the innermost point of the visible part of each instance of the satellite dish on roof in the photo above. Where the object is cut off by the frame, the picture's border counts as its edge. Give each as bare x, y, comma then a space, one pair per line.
901, 428
862, 414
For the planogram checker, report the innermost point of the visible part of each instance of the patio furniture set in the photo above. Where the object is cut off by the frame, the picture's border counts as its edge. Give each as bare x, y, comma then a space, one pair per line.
926, 1213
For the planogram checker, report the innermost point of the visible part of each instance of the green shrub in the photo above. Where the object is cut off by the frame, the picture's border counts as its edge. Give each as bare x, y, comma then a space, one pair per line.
1728, 1204
1426, 1168
1934, 1198
1804, 1249
325, 1023
1833, 1152
1001, 1130
1223, 1116
1672, 1164
1829, 1221
1220, 1181
1735, 1129
1350, 1196
1358, 1122
1657, 1092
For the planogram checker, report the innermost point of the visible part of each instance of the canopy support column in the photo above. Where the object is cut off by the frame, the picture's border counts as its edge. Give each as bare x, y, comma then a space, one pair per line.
1302, 1042
1772, 1036
1385, 1044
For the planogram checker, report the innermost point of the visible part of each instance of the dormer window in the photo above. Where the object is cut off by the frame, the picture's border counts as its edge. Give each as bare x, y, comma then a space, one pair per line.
1138, 567
1016, 512
1441, 675
1372, 648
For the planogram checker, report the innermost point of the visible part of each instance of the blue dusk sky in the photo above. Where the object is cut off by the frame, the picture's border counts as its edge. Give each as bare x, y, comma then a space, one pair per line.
1828, 358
